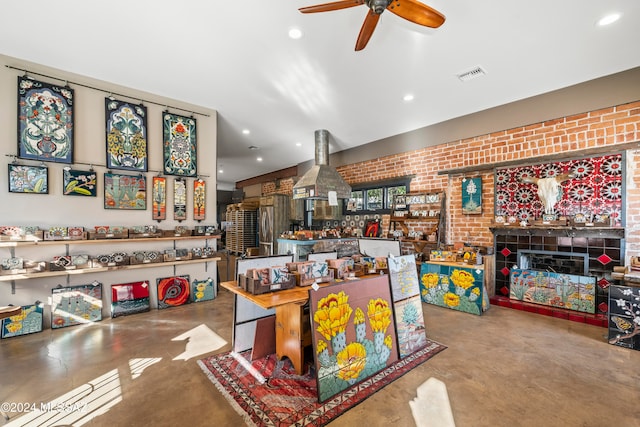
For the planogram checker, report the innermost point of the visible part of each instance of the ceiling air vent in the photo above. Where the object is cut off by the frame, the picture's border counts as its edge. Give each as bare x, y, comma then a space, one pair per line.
472, 74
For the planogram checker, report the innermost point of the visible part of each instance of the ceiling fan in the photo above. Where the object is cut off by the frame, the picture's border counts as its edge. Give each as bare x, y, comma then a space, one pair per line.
411, 10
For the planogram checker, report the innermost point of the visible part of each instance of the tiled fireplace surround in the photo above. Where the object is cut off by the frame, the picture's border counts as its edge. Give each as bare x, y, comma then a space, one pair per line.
604, 249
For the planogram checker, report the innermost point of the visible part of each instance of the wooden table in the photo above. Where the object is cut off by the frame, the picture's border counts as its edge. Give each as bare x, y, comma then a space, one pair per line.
293, 331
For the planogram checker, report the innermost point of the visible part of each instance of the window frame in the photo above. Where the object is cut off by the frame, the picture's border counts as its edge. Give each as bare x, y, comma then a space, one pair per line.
364, 188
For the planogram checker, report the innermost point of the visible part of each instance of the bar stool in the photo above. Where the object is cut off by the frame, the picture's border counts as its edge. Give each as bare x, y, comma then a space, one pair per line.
8, 311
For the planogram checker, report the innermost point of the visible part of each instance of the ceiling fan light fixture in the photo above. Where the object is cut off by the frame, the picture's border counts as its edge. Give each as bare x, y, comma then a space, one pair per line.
471, 74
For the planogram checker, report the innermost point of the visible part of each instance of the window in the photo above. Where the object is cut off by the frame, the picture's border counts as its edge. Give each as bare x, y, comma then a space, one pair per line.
375, 197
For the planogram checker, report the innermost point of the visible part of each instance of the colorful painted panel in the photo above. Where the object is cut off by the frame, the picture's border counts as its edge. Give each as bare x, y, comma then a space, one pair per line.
624, 316
403, 275
180, 149
159, 198
28, 321
28, 179
472, 196
202, 290
568, 291
129, 298
45, 121
199, 199
125, 191
412, 334
458, 288
405, 290
76, 305
126, 128
79, 183
179, 200
173, 291
353, 333
596, 189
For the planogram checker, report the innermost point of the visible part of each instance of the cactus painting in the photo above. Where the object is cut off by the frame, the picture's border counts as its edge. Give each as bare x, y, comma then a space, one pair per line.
568, 291
353, 333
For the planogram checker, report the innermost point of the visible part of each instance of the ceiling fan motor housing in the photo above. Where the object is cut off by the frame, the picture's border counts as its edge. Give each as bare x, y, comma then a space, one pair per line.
378, 6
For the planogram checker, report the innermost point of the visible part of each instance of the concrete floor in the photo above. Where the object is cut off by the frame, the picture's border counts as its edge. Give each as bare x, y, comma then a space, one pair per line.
505, 368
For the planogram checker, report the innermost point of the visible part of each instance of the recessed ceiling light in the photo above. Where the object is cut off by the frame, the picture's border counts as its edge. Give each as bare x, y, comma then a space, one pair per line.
246, 131
608, 19
295, 33
259, 159
408, 97
220, 171
298, 144
253, 147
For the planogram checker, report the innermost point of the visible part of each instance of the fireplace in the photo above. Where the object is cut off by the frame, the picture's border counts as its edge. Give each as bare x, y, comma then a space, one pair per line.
554, 262
584, 251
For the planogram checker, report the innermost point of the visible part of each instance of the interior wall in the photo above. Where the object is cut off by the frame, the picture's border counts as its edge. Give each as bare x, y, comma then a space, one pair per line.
55, 209
616, 89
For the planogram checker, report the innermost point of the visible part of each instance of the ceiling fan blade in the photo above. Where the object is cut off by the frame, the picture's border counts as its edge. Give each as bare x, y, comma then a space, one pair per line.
366, 31
419, 13
336, 5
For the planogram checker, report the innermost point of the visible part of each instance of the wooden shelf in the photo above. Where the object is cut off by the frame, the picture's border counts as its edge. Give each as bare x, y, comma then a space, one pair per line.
402, 203
415, 218
24, 276
17, 243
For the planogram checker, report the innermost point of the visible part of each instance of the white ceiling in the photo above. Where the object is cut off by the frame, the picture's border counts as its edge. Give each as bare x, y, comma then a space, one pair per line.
237, 58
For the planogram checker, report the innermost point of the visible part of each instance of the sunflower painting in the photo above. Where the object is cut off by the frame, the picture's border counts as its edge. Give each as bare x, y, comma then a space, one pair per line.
353, 333
458, 288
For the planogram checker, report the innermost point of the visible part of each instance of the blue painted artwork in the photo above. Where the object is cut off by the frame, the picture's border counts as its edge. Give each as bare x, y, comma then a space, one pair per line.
568, 291
76, 305
28, 321
472, 196
455, 287
202, 290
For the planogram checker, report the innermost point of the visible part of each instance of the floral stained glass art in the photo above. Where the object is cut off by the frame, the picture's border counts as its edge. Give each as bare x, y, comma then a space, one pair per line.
180, 147
126, 128
45, 121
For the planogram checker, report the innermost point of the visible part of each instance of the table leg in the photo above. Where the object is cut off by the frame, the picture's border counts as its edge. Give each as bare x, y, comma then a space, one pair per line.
291, 334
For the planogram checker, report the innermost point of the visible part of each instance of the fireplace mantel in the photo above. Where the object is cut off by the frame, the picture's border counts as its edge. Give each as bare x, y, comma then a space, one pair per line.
563, 231
601, 247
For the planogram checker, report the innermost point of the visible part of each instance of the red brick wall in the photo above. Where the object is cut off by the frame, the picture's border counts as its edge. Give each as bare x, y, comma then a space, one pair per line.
607, 127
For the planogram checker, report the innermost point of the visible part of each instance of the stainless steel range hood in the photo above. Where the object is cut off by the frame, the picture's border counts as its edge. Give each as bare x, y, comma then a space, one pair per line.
321, 178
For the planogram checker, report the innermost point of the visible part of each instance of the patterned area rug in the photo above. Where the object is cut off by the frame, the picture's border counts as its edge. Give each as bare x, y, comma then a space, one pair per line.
267, 392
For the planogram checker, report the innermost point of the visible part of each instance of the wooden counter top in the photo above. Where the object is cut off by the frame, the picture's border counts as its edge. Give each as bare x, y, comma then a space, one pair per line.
269, 300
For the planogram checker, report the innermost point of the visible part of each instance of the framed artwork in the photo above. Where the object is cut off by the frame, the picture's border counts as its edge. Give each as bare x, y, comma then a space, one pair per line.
173, 291
79, 183
28, 321
457, 288
203, 290
28, 179
45, 121
76, 305
129, 298
353, 333
405, 290
199, 199
126, 128
472, 196
597, 188
180, 148
159, 185
125, 191
179, 200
